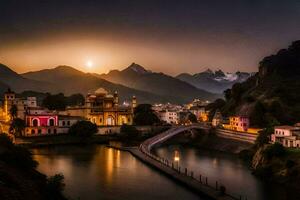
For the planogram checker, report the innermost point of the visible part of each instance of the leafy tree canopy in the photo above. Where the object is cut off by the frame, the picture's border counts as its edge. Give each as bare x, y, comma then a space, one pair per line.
144, 115
60, 101
128, 132
83, 129
17, 126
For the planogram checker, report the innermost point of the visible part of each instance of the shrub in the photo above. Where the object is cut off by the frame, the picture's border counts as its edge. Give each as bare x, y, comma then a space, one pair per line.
128, 132
83, 129
192, 118
290, 163
275, 150
55, 186
17, 126
15, 155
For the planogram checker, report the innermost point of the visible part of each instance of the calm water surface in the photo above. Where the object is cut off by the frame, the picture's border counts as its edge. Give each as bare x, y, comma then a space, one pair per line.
97, 172
224, 168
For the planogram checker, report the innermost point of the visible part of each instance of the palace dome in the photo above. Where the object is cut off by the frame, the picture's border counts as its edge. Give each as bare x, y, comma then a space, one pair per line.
101, 91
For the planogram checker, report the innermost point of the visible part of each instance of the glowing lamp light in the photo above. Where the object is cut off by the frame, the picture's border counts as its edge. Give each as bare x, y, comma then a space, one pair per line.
176, 157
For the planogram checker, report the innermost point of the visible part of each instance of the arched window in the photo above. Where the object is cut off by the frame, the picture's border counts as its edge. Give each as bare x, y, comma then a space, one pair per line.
51, 122
35, 122
32, 131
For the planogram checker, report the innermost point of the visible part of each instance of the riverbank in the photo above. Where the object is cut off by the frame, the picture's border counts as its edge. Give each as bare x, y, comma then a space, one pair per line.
19, 178
274, 163
62, 140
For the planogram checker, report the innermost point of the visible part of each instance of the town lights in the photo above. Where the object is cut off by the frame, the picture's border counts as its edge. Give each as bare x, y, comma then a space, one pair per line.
176, 157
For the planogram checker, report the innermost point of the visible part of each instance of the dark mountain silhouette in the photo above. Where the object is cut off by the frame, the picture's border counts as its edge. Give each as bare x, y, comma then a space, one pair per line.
215, 82
18, 83
69, 81
135, 76
3, 88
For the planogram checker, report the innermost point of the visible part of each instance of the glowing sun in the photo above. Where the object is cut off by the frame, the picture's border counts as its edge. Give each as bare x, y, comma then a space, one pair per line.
89, 64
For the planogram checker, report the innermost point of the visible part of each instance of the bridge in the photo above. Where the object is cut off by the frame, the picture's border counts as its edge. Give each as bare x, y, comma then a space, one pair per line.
197, 183
160, 138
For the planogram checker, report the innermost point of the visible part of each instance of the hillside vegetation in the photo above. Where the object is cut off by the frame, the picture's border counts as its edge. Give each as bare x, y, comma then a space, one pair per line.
272, 95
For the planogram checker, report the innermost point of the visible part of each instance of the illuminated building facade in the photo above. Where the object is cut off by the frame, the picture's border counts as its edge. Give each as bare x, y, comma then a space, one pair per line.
21, 104
103, 109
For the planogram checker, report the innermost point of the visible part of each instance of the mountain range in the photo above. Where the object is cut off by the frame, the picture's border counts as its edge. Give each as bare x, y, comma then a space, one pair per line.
135, 76
214, 81
149, 87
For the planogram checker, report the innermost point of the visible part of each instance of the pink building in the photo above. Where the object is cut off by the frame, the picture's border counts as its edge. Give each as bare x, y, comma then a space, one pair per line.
239, 123
41, 124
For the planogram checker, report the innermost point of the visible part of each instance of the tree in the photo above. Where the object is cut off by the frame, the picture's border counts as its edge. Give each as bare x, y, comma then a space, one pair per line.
275, 150
237, 91
55, 186
55, 102
75, 99
144, 115
13, 111
83, 129
192, 118
15, 155
258, 115
128, 132
227, 94
60, 101
17, 126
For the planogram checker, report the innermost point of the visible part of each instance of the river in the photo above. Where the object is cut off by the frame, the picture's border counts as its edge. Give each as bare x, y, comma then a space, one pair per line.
97, 172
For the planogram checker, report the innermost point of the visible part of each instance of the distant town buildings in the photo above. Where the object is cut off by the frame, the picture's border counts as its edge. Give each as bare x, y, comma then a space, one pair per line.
22, 104
288, 136
200, 113
100, 108
217, 119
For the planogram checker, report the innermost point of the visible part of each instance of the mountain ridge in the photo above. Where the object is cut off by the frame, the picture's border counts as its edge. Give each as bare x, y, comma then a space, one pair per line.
214, 81
157, 83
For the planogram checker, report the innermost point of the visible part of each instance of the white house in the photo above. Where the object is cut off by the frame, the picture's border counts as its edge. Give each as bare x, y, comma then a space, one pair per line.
288, 136
169, 116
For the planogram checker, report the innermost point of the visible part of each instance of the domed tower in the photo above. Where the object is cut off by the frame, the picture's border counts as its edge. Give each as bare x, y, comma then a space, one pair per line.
116, 99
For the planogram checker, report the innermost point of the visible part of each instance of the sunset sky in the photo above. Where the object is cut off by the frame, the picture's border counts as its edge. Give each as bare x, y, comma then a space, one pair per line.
168, 36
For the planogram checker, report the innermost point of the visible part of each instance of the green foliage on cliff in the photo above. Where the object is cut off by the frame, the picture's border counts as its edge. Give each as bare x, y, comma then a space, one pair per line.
272, 94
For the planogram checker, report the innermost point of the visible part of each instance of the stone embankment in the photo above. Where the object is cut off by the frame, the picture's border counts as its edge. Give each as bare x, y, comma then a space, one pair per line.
236, 135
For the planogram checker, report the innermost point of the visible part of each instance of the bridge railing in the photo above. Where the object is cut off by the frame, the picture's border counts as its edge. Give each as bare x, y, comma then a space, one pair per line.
145, 149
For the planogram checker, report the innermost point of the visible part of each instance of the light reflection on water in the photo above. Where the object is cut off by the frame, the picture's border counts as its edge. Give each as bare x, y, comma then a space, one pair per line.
224, 168
97, 172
